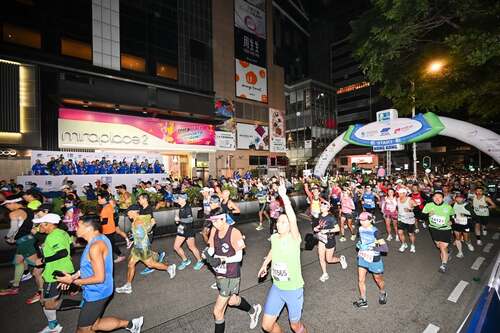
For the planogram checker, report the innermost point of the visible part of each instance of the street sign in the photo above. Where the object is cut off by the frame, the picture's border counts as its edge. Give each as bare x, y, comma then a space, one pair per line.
395, 147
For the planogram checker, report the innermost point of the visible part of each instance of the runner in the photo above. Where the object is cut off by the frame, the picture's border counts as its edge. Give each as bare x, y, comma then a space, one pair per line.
461, 223
185, 232
368, 200
369, 259
107, 216
57, 258
95, 277
419, 198
347, 213
207, 203
227, 205
325, 232
288, 285
482, 205
275, 211
147, 210
262, 198
71, 217
440, 225
224, 254
141, 252
390, 211
406, 220
315, 199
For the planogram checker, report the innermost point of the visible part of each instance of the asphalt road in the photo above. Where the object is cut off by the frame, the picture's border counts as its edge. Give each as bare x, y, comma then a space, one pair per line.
417, 293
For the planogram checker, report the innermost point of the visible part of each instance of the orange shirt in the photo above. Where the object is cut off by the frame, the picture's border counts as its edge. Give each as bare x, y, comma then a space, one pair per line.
108, 212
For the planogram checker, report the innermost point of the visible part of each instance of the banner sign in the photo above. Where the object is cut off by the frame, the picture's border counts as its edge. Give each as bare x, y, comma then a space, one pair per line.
250, 18
45, 155
277, 131
87, 129
225, 133
251, 81
225, 140
249, 47
399, 130
252, 136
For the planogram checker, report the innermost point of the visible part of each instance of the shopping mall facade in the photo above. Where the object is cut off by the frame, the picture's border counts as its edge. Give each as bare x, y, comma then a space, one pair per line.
185, 80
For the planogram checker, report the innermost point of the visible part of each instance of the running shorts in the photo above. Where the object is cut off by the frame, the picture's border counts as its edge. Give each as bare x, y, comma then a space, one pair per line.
228, 286
278, 298
91, 311
390, 215
409, 228
25, 246
185, 230
483, 220
348, 216
440, 235
143, 254
262, 206
375, 267
50, 290
460, 227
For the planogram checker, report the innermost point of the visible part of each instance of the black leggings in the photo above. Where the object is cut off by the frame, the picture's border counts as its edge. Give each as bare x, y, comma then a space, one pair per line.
112, 239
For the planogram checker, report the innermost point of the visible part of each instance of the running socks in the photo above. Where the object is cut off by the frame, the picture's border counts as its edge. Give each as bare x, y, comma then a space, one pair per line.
245, 306
220, 326
18, 273
51, 317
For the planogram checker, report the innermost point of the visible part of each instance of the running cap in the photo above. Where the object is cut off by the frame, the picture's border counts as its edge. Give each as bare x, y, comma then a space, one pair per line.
43, 207
325, 204
438, 191
180, 196
402, 190
364, 216
221, 216
64, 187
48, 218
16, 200
399, 180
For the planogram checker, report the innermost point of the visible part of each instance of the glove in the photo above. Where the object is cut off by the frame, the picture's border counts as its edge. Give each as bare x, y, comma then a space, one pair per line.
210, 259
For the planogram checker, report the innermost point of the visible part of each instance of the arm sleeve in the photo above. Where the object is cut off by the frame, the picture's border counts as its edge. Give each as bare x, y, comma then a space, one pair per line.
236, 258
58, 255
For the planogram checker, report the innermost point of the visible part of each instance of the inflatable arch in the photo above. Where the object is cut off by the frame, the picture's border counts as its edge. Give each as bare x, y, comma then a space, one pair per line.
408, 130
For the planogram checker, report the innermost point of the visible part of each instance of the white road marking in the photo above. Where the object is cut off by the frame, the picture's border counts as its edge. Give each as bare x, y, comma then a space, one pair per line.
496, 236
477, 263
459, 289
431, 328
487, 248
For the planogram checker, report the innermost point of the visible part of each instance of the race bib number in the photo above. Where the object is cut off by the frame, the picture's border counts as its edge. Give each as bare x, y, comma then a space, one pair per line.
438, 220
279, 272
322, 238
221, 269
462, 220
367, 255
180, 229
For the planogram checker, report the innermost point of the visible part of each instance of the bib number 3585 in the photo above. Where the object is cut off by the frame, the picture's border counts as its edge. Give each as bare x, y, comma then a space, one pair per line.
279, 271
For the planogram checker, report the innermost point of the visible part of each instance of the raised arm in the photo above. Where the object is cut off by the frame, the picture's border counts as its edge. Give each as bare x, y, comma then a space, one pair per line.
290, 213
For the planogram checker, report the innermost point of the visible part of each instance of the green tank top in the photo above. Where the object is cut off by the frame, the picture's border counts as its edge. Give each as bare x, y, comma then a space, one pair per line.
285, 267
441, 217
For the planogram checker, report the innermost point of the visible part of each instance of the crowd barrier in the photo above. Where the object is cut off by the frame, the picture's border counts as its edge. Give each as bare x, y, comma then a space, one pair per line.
54, 183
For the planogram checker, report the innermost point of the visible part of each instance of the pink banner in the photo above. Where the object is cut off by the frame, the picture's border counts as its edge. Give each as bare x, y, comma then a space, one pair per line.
172, 132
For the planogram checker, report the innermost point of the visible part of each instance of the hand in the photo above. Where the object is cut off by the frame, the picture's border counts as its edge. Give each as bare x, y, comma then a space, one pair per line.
262, 271
282, 188
64, 280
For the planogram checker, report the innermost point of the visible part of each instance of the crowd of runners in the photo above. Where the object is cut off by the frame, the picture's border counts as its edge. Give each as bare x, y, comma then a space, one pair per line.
368, 210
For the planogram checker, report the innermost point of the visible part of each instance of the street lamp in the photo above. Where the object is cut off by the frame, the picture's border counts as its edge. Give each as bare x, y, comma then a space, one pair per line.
434, 67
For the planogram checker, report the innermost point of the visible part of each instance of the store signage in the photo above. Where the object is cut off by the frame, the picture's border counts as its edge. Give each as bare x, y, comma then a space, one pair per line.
400, 130
251, 81
250, 18
249, 47
308, 144
277, 131
87, 129
395, 147
225, 140
251, 136
361, 159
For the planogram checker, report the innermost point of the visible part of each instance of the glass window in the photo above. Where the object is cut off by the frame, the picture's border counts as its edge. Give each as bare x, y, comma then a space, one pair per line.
75, 48
22, 36
133, 63
167, 71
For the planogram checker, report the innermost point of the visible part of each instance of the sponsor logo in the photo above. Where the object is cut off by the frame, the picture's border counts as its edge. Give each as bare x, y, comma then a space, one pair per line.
86, 138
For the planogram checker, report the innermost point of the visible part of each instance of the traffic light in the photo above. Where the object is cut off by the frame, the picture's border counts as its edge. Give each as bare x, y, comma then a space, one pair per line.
354, 167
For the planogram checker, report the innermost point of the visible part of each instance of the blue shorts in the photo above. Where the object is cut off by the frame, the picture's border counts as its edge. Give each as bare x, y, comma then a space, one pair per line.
376, 267
277, 299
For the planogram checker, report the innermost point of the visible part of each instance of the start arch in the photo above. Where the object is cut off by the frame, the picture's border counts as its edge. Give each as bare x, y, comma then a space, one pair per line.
483, 139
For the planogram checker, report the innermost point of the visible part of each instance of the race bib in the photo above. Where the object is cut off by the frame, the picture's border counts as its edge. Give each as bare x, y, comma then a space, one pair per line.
367, 255
221, 269
438, 220
462, 220
180, 229
279, 272
322, 238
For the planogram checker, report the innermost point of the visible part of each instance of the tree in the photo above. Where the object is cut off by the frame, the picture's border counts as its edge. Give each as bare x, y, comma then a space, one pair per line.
396, 39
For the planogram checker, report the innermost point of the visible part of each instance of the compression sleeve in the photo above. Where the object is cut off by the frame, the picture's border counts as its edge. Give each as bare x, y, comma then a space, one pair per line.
58, 255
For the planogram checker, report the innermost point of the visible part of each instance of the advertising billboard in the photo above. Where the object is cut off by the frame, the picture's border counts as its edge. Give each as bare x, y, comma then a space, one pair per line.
251, 81
277, 131
252, 136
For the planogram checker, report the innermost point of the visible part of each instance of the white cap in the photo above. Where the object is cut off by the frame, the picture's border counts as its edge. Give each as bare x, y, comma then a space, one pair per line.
48, 218
64, 187
12, 201
399, 181
402, 190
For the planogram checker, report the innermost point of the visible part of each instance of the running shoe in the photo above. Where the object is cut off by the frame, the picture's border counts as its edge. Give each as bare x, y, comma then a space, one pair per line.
442, 268
479, 242
382, 298
485, 232
397, 238
147, 271
171, 270
254, 317
119, 259
342, 239
125, 289
424, 225
412, 248
26, 277
389, 238
136, 325
12, 291
56, 329
161, 256
403, 247
470, 247
198, 265
417, 230
259, 227
360, 303
214, 286
184, 264
353, 237
343, 262
35, 298
460, 255
324, 277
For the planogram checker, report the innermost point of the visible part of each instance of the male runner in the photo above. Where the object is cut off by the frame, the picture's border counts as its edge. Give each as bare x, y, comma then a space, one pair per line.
225, 254
482, 205
406, 220
286, 272
96, 279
